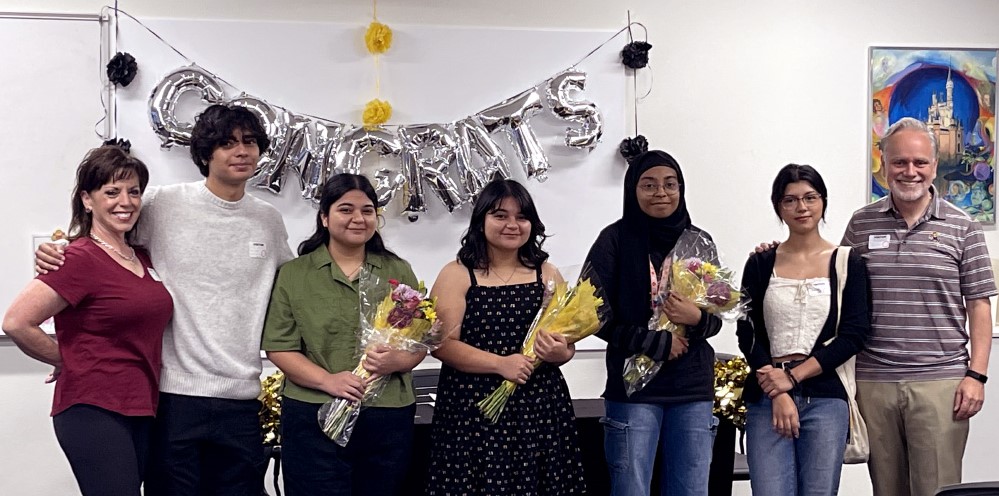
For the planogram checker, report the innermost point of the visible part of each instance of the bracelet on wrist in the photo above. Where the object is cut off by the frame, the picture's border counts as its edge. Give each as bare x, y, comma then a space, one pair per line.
790, 376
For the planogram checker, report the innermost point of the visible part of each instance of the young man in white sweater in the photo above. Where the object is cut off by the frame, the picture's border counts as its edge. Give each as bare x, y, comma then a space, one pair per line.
217, 250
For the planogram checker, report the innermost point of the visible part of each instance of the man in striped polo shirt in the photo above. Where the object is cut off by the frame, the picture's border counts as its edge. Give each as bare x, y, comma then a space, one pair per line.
930, 271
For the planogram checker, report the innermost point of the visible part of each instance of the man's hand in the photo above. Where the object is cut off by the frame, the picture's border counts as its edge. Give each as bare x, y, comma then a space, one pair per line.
766, 246
48, 256
968, 398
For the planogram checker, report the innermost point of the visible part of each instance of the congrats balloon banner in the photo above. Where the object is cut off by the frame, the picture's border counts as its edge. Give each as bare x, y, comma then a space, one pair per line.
432, 157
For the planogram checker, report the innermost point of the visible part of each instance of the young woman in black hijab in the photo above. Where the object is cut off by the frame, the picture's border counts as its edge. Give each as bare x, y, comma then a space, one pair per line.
672, 412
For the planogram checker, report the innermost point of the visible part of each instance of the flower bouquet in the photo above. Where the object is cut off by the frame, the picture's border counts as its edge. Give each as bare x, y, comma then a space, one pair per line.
694, 272
575, 313
405, 319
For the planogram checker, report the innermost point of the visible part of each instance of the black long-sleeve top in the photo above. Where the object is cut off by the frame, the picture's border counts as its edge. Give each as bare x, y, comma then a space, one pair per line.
687, 378
854, 325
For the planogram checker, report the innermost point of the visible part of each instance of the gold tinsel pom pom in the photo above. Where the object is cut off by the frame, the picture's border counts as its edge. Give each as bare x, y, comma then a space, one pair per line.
376, 112
270, 408
378, 37
730, 376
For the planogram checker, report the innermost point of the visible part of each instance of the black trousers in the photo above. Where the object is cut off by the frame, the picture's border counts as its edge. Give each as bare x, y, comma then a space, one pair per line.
206, 446
107, 450
374, 462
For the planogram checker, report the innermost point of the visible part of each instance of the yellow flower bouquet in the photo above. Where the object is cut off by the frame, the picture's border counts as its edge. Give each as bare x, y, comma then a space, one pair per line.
696, 274
575, 313
404, 320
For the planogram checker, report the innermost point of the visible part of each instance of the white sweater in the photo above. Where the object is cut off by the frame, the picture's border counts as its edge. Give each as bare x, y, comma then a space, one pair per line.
218, 260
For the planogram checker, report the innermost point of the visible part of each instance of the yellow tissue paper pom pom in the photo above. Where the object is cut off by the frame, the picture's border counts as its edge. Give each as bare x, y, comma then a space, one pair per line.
376, 112
378, 37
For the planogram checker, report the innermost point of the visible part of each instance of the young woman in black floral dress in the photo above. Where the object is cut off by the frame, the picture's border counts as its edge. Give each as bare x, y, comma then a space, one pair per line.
491, 295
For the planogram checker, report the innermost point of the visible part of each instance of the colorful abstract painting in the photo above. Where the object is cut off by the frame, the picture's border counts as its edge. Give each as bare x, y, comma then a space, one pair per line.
954, 92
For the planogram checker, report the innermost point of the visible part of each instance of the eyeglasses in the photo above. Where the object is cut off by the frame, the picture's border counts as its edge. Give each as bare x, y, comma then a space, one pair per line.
670, 187
789, 202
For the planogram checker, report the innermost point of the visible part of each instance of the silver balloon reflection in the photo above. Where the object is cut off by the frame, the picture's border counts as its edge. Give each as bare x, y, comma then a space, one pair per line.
164, 99
314, 156
270, 172
428, 151
357, 142
471, 135
513, 116
561, 90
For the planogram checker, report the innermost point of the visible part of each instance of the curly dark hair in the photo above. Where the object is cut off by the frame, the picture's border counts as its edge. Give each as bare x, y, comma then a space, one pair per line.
474, 251
216, 125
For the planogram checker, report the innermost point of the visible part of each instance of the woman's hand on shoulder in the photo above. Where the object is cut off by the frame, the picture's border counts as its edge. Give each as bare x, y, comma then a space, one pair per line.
785, 416
516, 368
553, 348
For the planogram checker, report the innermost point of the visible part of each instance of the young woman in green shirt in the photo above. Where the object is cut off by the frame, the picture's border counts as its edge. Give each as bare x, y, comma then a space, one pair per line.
311, 335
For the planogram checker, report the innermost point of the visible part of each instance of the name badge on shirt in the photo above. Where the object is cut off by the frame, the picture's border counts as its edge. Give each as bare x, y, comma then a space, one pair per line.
878, 241
819, 288
153, 274
258, 250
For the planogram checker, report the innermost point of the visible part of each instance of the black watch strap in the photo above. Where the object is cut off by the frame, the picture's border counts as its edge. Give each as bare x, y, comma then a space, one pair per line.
982, 378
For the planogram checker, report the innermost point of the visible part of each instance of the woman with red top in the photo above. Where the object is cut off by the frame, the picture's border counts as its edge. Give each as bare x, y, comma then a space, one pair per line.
110, 311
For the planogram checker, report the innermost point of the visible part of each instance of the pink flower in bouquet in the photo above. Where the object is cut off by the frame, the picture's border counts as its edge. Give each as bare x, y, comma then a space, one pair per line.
719, 294
694, 264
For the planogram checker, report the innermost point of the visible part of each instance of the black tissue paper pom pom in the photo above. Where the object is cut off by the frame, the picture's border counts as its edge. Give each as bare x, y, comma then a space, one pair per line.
122, 69
636, 54
633, 147
124, 144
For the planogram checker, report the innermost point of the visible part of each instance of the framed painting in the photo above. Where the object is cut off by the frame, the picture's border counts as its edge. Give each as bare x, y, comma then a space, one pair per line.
952, 90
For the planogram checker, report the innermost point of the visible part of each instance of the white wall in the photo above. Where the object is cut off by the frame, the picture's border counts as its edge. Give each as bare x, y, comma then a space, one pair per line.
738, 90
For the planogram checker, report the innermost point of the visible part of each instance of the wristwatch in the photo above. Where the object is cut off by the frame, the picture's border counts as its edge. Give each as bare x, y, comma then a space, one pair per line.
982, 378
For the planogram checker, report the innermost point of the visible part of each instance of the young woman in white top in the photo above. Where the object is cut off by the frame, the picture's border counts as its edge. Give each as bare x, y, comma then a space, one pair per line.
797, 414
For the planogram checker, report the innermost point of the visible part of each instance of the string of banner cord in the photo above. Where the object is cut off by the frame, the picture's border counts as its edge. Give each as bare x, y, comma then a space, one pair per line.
629, 147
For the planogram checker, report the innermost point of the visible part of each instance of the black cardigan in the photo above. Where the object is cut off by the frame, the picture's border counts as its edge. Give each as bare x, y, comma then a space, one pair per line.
688, 378
854, 326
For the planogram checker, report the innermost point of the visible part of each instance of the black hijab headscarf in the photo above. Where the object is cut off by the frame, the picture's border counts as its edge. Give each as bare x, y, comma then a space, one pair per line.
642, 235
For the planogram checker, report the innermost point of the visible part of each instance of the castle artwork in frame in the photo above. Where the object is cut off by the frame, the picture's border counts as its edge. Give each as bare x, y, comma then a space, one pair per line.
952, 90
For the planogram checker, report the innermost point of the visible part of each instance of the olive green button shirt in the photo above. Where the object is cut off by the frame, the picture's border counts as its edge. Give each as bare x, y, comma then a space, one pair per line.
314, 310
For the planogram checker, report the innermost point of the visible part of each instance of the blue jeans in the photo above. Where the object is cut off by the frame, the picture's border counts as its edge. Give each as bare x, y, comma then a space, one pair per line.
809, 465
685, 432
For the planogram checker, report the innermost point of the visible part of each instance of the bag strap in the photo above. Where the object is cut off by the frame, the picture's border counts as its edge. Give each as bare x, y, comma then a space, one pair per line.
842, 259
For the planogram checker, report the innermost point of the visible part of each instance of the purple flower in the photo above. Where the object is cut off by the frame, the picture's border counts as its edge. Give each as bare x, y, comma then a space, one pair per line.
399, 317
719, 294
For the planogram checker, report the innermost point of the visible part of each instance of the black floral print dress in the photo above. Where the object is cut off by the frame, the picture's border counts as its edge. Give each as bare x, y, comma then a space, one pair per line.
532, 449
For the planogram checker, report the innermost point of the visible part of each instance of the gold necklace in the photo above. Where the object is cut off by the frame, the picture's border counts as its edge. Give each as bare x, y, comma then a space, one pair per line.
112, 248
506, 280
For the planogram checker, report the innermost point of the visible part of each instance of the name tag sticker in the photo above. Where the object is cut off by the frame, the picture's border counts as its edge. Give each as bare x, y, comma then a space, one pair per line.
878, 241
819, 288
258, 250
153, 274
